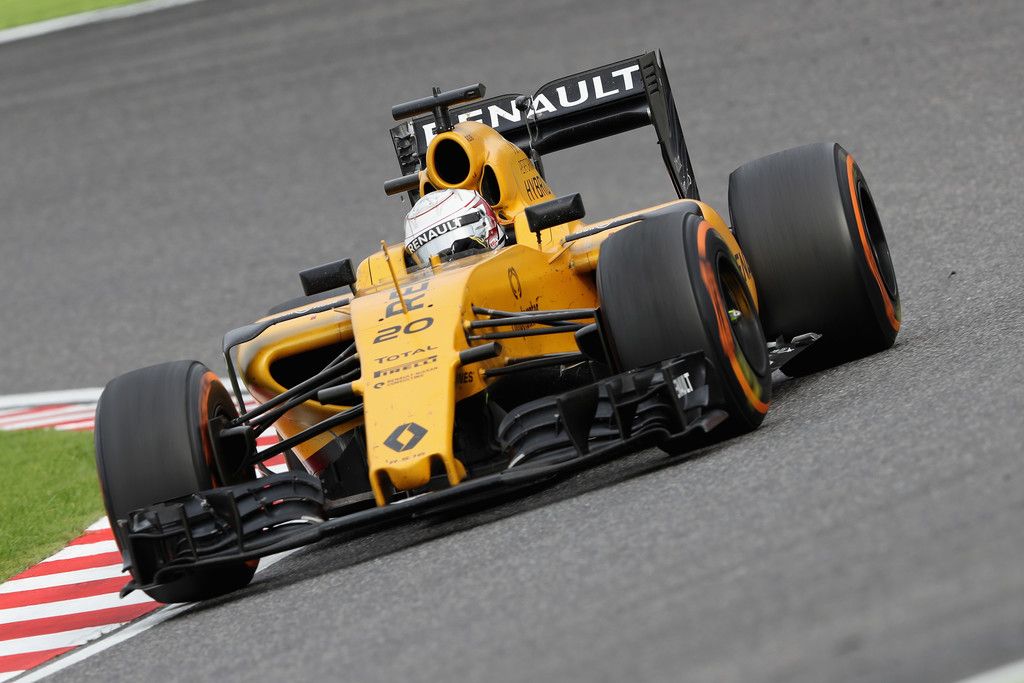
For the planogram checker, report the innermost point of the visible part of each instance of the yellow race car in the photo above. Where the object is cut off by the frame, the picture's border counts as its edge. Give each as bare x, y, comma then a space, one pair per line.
424, 379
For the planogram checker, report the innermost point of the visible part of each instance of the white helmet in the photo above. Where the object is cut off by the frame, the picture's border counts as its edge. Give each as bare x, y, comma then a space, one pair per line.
449, 221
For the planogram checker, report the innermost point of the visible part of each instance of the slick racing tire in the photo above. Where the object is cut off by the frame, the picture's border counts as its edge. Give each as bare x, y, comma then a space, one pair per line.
808, 226
152, 445
668, 286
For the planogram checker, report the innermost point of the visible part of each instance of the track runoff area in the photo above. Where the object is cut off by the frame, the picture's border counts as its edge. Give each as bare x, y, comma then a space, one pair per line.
71, 597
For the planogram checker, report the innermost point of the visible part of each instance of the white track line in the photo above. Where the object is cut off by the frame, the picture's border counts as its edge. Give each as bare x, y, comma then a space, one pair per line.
46, 420
92, 648
49, 398
61, 578
56, 414
90, 395
96, 16
52, 641
1011, 673
11, 412
83, 550
129, 631
60, 608
83, 425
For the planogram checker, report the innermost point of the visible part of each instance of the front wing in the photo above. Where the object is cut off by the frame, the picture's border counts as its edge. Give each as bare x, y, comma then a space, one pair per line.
544, 440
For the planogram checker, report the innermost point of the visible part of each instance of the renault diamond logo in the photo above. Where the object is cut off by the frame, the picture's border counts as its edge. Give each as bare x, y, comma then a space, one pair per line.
405, 437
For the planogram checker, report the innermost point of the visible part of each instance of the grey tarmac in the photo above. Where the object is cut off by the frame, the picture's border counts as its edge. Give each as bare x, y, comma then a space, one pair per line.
166, 177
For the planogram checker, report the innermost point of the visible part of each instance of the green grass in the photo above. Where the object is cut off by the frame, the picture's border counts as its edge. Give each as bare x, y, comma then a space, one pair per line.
50, 494
18, 12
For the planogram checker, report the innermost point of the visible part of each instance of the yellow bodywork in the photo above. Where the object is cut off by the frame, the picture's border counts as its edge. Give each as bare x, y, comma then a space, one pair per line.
411, 375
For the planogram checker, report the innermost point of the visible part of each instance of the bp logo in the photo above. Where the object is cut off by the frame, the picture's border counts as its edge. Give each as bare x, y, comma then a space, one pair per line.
405, 437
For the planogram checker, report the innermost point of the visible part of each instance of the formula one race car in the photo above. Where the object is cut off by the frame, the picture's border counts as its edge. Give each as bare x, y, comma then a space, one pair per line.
404, 387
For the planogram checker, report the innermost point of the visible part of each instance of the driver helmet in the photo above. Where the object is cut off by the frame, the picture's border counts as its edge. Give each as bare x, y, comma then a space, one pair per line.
446, 222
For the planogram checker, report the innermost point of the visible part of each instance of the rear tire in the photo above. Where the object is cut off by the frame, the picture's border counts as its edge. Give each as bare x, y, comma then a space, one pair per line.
152, 445
808, 226
666, 287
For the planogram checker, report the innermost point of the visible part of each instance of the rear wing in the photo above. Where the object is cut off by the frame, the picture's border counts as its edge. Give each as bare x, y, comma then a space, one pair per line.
572, 111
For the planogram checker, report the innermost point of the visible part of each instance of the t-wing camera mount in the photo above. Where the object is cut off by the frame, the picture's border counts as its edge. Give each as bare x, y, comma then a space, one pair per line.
437, 104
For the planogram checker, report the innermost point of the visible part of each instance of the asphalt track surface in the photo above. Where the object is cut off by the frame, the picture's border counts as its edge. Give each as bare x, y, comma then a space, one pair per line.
164, 178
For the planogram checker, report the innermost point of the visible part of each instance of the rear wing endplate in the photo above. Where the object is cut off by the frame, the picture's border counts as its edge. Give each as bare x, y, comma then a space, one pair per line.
572, 111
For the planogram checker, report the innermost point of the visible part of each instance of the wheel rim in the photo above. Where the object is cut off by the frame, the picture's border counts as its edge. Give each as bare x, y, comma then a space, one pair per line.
743, 318
876, 239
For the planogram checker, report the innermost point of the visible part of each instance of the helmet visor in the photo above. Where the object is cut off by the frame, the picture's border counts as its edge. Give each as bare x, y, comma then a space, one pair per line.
459, 233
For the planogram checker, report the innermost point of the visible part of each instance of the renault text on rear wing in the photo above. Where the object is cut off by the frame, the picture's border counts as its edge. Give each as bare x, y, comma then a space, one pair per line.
572, 111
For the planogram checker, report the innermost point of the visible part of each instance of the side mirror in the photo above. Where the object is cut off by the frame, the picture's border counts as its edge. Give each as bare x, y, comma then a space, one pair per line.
328, 276
555, 212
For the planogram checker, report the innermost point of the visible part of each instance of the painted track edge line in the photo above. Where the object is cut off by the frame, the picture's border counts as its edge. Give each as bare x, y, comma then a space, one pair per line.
103, 642
38, 399
129, 630
1009, 673
46, 398
41, 28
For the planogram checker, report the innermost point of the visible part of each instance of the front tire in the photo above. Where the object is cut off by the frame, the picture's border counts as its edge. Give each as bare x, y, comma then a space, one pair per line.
152, 446
808, 226
670, 285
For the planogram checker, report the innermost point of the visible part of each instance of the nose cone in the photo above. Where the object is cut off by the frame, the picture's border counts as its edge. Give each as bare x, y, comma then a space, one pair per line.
409, 425
408, 359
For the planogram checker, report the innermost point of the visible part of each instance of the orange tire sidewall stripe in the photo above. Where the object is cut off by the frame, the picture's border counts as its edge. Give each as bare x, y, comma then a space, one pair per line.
707, 274
869, 254
204, 433
204, 420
